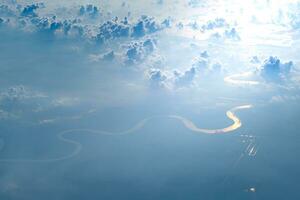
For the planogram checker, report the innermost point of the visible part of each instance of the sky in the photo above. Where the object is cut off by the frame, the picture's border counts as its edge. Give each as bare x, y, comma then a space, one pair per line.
150, 99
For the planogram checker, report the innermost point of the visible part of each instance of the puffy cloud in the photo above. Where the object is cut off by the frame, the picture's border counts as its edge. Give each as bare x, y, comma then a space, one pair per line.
179, 25
29, 11
204, 54
216, 23
186, 78
27, 18
166, 23
194, 25
139, 51
290, 15
295, 20
217, 28
139, 29
231, 34
165, 79
148, 25
50, 22
113, 29
144, 26
156, 60
273, 69
216, 67
207, 66
56, 27
210, 25
255, 60
90, 10
202, 62
156, 78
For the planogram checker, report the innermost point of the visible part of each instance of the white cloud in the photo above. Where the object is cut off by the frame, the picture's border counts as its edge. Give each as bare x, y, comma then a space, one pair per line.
157, 78
274, 70
136, 52
186, 78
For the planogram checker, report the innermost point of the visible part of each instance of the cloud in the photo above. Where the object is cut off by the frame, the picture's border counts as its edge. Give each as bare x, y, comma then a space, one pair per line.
290, 15
213, 24
204, 54
19, 93
274, 70
23, 104
29, 11
186, 78
202, 62
28, 19
195, 3
255, 60
207, 66
107, 57
209, 26
65, 101
156, 60
131, 40
231, 34
113, 29
284, 98
157, 78
148, 25
89, 10
6, 11
123, 29
170, 80
216, 68
139, 51
138, 30
18, 99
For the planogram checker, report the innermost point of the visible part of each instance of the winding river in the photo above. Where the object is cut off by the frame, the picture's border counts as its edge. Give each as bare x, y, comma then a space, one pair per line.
62, 136
236, 123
